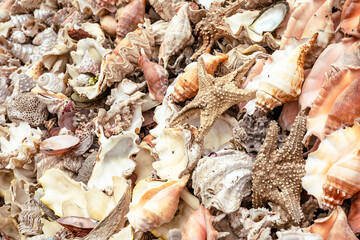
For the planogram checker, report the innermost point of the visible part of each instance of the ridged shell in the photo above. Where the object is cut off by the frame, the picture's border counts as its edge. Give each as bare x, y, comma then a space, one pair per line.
223, 179
319, 122
177, 36
165, 8
156, 77
129, 18
44, 16
281, 80
19, 37
333, 171
187, 84
19, 20
24, 52
59, 144
51, 82
154, 202
30, 27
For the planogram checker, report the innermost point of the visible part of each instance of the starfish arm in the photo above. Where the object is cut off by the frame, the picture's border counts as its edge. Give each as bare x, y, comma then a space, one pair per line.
183, 115
270, 142
207, 120
237, 75
235, 95
204, 78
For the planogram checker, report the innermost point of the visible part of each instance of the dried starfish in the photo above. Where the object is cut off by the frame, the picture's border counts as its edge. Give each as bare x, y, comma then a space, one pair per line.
277, 173
213, 27
215, 96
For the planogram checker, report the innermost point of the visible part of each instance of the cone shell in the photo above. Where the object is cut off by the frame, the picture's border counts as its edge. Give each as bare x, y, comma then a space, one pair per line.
199, 226
333, 171
282, 79
187, 84
156, 77
59, 144
154, 202
130, 16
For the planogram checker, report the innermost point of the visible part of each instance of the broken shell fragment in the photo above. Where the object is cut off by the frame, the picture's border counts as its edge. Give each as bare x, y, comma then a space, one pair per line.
59, 144
154, 202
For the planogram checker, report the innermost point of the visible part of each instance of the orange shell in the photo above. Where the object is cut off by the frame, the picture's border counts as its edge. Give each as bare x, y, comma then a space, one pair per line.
354, 214
187, 85
199, 226
342, 181
156, 78
129, 18
333, 227
350, 17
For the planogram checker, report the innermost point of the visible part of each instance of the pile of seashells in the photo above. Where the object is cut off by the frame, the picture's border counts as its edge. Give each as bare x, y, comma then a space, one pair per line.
175, 119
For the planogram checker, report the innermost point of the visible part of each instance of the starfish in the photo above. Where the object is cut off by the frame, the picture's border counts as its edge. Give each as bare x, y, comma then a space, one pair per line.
213, 27
277, 173
215, 96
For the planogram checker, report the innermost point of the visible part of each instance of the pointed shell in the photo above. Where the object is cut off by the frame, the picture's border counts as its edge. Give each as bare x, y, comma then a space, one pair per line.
283, 78
154, 202
51, 82
59, 144
334, 167
129, 18
187, 84
223, 179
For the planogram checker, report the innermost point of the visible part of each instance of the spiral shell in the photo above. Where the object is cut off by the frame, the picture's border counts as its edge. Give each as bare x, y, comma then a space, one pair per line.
51, 82
19, 20
187, 84
281, 80
130, 16
19, 37
30, 27
44, 16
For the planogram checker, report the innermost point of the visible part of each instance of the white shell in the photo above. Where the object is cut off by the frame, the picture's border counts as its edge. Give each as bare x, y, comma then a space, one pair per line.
51, 82
223, 179
19, 37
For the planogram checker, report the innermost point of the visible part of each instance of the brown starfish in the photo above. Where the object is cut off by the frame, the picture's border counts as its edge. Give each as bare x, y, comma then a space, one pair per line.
277, 173
213, 27
215, 96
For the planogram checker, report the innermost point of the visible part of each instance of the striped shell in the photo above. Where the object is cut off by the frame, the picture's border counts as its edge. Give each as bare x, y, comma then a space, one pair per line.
51, 82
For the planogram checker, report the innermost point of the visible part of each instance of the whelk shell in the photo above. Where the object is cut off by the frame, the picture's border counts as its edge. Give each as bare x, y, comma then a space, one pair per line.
59, 144
187, 84
154, 202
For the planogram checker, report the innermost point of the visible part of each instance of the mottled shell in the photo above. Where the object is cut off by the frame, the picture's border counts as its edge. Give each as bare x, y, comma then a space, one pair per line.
51, 82
59, 144
165, 8
333, 171
282, 79
223, 179
154, 202
19, 37
44, 16
129, 18
187, 84
156, 77
177, 36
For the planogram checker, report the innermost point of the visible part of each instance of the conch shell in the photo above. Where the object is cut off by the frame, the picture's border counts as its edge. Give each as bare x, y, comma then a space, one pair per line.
282, 79
154, 202
336, 105
333, 171
130, 16
350, 18
187, 84
199, 226
177, 36
156, 77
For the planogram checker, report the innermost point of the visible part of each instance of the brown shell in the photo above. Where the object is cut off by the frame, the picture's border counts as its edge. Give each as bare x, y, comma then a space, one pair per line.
130, 16
156, 77
108, 24
187, 85
59, 144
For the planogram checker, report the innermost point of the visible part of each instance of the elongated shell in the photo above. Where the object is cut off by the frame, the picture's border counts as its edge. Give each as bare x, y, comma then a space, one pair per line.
177, 36
282, 79
51, 82
333, 171
223, 179
156, 77
131, 15
187, 84
154, 202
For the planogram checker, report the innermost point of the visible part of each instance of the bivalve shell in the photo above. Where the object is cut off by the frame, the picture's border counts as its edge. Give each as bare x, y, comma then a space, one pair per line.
59, 144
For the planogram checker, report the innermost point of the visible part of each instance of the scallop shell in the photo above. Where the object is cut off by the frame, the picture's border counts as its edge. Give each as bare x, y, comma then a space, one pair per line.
129, 18
51, 82
59, 144
281, 80
223, 179
187, 84
334, 167
154, 202
156, 77
177, 36
199, 226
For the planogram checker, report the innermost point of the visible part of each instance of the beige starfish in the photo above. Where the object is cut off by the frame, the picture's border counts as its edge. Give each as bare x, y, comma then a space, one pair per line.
215, 96
277, 173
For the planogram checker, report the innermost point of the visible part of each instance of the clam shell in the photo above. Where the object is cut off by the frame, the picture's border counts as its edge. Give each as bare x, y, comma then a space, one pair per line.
59, 144
51, 82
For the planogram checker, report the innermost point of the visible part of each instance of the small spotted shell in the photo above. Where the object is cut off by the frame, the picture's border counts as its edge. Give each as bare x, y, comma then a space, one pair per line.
51, 82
